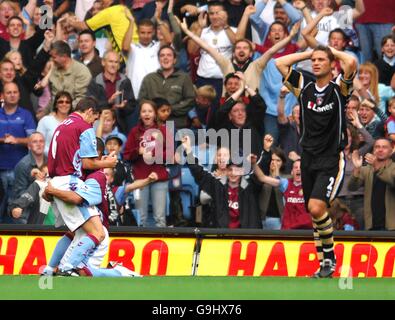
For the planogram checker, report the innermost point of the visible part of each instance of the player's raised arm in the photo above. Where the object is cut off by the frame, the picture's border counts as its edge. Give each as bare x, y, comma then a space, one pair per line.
293, 80
284, 63
347, 62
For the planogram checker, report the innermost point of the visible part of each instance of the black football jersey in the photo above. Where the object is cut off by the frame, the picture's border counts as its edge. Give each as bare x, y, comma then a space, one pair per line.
322, 115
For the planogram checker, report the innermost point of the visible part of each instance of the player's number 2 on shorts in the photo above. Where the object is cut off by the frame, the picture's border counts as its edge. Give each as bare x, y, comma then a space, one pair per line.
330, 186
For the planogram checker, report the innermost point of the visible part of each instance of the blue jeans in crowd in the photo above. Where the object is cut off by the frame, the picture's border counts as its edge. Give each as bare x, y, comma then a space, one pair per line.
370, 36
7, 178
157, 192
271, 223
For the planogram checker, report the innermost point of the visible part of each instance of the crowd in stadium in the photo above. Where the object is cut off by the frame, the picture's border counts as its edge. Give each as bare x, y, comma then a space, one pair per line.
205, 66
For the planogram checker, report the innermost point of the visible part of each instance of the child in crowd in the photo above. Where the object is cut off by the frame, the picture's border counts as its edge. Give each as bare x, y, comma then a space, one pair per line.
146, 149
163, 110
106, 126
389, 126
204, 109
122, 173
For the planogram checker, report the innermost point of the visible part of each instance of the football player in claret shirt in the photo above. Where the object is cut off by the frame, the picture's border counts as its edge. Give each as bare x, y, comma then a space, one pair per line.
323, 136
73, 151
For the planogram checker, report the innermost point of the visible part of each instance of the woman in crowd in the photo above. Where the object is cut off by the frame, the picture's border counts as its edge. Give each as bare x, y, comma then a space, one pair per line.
61, 109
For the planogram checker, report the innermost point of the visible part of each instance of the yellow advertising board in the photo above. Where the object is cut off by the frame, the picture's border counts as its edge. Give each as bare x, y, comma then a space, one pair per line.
217, 257
148, 256
292, 258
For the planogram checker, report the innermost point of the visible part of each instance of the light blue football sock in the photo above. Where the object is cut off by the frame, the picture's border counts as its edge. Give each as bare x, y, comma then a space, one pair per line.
60, 250
105, 272
82, 251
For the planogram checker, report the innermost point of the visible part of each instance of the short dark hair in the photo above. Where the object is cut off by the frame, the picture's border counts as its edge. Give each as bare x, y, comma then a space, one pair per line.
87, 103
14, 18
279, 23
278, 6
7, 83
386, 38
338, 30
89, 32
161, 102
167, 46
281, 154
146, 22
215, 4
243, 40
99, 145
62, 48
327, 50
229, 76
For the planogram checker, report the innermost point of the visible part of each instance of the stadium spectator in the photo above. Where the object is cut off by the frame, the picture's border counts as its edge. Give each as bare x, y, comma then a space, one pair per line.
27, 78
294, 214
367, 86
82, 7
67, 33
358, 139
44, 100
122, 172
171, 84
342, 217
241, 59
233, 197
202, 114
236, 116
337, 38
89, 53
150, 9
389, 125
112, 89
26, 47
221, 37
378, 179
271, 201
374, 25
68, 74
235, 10
331, 22
374, 125
113, 18
107, 127
62, 107
16, 125
386, 64
34, 159
146, 149
143, 56
283, 12
289, 131
30, 207
7, 10
219, 170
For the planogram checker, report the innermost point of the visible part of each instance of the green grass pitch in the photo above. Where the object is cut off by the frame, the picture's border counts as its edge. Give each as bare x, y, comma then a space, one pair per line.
194, 288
